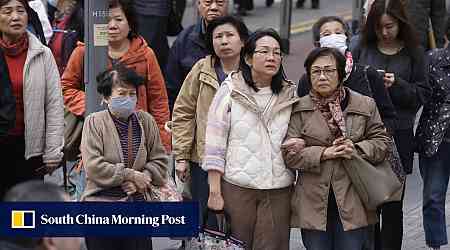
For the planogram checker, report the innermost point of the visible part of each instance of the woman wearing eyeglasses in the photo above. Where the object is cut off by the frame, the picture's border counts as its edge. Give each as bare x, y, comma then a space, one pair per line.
335, 123
247, 122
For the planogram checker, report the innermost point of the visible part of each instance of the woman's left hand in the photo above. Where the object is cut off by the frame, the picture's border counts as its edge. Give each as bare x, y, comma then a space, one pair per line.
129, 187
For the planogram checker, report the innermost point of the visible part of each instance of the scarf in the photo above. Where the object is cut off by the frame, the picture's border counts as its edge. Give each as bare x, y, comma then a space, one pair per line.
348, 65
330, 108
16, 48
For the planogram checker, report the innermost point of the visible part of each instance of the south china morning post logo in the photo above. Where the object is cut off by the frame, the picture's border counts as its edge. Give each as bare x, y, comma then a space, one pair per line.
23, 219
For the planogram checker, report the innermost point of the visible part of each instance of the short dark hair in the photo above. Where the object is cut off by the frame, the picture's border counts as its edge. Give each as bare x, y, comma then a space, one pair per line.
325, 51
130, 13
328, 19
249, 50
35, 190
117, 75
236, 22
29, 191
396, 9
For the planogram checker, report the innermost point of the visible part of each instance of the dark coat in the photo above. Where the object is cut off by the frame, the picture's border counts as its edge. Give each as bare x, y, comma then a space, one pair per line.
420, 11
365, 81
188, 48
435, 119
7, 99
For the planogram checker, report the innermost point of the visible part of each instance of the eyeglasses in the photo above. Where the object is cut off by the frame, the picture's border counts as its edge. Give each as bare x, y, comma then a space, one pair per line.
208, 3
327, 72
266, 53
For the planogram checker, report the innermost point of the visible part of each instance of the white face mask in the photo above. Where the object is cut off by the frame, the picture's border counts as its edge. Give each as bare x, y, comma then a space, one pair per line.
337, 41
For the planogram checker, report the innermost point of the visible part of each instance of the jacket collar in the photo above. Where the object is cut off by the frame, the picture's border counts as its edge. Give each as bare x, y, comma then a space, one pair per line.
207, 72
356, 104
197, 34
35, 46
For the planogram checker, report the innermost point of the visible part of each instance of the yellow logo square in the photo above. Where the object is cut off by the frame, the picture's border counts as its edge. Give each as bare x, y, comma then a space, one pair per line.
22, 219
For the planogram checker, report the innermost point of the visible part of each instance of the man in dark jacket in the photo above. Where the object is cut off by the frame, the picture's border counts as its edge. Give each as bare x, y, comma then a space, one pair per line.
420, 12
152, 18
189, 47
332, 31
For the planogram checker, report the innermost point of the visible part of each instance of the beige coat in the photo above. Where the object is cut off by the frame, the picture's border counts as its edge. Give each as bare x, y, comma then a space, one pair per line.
190, 112
310, 199
102, 154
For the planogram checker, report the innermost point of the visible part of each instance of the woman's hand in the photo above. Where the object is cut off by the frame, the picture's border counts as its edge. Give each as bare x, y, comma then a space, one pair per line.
182, 170
342, 148
142, 181
129, 187
389, 79
215, 201
293, 146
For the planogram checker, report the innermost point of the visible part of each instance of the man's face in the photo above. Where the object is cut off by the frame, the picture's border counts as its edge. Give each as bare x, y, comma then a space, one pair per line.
212, 9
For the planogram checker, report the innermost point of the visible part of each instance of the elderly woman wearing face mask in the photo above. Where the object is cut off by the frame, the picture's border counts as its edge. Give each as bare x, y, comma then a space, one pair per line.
326, 206
333, 32
126, 175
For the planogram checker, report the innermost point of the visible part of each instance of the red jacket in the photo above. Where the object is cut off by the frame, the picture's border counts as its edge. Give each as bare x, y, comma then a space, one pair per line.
152, 96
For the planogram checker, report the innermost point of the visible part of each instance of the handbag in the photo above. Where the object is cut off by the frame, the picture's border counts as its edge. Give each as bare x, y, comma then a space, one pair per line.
375, 184
72, 135
209, 239
174, 20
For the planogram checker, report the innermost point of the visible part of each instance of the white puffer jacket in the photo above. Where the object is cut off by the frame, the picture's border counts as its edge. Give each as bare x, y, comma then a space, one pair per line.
242, 141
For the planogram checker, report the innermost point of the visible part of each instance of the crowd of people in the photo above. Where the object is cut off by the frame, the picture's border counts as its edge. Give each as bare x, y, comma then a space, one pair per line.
245, 140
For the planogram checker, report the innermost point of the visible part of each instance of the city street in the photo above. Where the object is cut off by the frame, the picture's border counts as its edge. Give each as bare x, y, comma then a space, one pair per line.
301, 43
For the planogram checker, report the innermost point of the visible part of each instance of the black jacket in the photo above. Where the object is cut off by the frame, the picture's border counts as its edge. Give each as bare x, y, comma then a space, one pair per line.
366, 81
420, 11
7, 100
434, 122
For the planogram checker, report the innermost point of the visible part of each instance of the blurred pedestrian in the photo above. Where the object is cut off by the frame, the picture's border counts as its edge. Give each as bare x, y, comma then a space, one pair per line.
124, 176
326, 205
433, 146
300, 4
426, 15
225, 37
154, 14
34, 145
37, 191
333, 32
247, 122
388, 43
68, 31
127, 47
190, 46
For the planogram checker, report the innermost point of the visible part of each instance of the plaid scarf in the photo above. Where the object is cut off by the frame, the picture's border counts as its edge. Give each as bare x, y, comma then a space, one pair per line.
16, 48
330, 108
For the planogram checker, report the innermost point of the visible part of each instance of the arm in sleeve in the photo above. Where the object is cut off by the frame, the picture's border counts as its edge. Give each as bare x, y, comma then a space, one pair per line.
217, 130
310, 157
100, 171
415, 93
438, 17
184, 122
375, 146
157, 161
157, 99
382, 99
54, 111
71, 82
